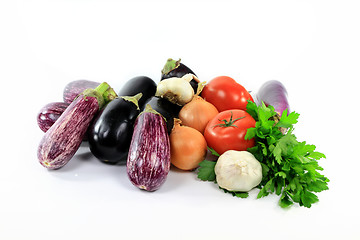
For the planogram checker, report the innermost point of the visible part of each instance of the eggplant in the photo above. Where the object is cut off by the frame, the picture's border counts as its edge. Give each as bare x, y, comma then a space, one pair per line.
49, 113
110, 134
75, 88
273, 93
167, 109
148, 162
62, 140
140, 84
173, 68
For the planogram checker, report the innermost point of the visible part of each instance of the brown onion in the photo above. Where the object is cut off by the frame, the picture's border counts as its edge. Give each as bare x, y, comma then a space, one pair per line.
187, 147
197, 113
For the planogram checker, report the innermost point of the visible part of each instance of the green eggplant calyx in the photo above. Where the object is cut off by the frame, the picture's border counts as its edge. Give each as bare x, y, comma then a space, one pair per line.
134, 99
109, 95
149, 109
170, 65
98, 93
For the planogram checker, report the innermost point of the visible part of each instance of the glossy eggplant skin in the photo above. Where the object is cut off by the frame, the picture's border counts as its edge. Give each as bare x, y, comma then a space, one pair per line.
49, 114
167, 109
109, 135
139, 84
179, 70
148, 162
74, 88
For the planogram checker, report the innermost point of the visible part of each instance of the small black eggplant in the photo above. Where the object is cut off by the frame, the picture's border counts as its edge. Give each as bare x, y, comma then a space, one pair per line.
110, 134
140, 84
173, 68
167, 109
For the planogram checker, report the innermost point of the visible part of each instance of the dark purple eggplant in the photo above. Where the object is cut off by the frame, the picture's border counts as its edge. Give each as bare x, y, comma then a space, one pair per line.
140, 84
273, 93
173, 68
75, 88
148, 162
62, 140
110, 134
48, 114
167, 109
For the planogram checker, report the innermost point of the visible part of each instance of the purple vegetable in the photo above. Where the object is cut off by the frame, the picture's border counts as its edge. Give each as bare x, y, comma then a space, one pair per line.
148, 161
63, 139
48, 114
273, 93
75, 88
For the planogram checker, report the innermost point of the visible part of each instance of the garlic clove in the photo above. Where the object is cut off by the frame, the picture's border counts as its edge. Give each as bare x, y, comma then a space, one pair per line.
238, 171
176, 90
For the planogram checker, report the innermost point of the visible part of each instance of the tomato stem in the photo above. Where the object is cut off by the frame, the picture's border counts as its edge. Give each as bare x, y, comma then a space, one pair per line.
229, 123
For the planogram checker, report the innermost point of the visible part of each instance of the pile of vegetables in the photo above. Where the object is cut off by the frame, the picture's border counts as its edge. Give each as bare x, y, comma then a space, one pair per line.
179, 121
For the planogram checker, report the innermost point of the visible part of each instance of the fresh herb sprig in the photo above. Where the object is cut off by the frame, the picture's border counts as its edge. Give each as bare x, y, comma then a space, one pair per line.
290, 168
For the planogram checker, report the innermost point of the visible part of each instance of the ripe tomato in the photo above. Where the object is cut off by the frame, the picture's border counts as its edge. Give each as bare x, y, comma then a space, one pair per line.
227, 130
225, 93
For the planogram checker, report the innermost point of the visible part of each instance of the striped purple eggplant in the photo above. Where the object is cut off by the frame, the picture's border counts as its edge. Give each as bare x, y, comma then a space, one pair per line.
75, 88
62, 140
49, 113
148, 161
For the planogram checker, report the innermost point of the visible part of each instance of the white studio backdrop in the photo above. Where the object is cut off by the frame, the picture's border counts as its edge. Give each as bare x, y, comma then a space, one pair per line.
312, 47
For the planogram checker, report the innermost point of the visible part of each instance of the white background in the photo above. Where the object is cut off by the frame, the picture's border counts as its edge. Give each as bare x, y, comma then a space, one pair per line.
313, 47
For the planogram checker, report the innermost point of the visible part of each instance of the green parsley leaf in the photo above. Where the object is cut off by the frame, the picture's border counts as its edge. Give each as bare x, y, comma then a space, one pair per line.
286, 121
308, 198
206, 171
213, 152
285, 200
252, 109
236, 194
290, 167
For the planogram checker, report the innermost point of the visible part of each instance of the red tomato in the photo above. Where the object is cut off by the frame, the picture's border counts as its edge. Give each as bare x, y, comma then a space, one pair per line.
227, 130
225, 93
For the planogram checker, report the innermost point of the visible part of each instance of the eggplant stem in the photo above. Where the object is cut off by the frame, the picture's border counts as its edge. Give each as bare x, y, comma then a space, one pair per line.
102, 93
170, 65
101, 89
149, 109
134, 99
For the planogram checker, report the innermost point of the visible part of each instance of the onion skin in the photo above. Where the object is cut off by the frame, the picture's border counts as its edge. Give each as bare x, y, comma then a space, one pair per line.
187, 147
273, 93
197, 113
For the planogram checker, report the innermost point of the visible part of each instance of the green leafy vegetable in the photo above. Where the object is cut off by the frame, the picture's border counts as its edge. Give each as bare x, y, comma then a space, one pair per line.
206, 171
290, 168
213, 152
236, 194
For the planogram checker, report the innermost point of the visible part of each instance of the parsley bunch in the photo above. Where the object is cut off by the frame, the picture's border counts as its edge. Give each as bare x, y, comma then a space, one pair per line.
290, 168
